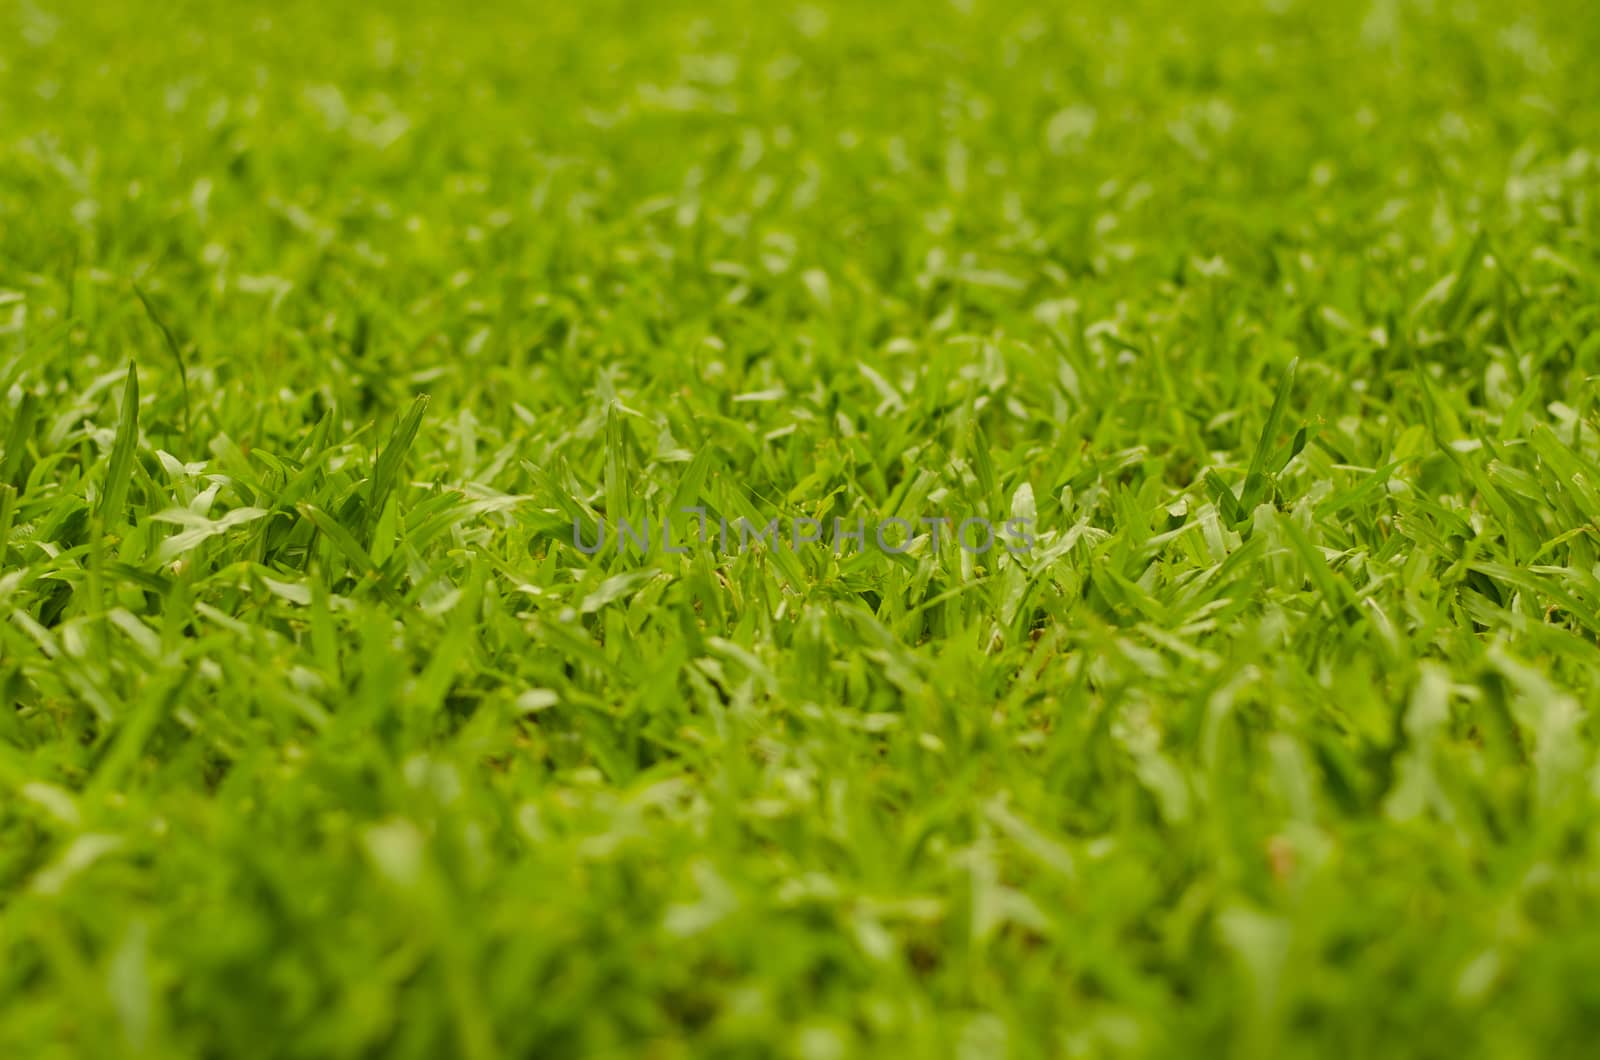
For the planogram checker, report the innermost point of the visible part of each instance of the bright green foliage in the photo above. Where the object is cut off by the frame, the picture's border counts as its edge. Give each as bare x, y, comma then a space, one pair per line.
321, 324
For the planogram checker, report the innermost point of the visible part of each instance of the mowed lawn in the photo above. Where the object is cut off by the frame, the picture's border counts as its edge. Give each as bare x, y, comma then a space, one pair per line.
324, 326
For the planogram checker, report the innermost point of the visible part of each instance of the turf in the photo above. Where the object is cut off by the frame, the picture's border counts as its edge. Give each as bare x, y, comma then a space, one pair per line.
323, 325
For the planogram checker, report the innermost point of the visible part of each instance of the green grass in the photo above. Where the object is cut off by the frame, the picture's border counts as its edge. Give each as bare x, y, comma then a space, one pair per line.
320, 324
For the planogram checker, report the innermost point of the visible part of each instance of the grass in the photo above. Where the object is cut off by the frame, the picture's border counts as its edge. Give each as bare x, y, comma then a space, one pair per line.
321, 325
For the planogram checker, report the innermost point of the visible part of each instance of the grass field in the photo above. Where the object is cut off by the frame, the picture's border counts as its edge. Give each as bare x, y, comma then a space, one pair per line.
325, 327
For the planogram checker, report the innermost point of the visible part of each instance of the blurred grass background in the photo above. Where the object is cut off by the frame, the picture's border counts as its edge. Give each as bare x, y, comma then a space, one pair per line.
321, 742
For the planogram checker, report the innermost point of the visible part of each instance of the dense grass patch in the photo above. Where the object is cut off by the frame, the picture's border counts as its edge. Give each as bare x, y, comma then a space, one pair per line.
322, 326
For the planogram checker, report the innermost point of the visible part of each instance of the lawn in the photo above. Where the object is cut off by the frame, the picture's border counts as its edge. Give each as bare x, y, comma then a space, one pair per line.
1257, 341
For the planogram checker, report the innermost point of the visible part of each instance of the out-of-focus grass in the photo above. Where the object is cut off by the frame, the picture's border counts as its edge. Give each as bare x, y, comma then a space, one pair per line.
320, 738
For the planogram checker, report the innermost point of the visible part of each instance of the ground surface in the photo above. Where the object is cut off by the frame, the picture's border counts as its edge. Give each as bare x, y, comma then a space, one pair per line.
320, 738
